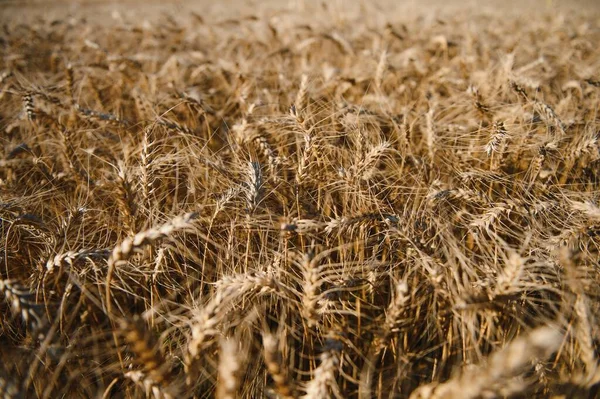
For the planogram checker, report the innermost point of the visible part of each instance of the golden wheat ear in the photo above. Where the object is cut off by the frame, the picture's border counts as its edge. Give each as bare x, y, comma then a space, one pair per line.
499, 375
146, 350
9, 389
23, 302
122, 252
324, 378
277, 370
230, 369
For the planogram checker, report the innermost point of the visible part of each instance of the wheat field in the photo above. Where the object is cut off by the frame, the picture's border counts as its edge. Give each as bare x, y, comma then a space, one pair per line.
299, 200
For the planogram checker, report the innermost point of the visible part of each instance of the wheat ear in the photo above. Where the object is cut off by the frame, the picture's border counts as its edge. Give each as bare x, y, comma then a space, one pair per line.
324, 376
283, 385
146, 350
230, 367
122, 252
493, 378
23, 301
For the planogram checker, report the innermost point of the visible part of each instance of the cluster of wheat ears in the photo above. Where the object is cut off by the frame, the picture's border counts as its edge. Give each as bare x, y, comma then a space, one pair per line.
283, 206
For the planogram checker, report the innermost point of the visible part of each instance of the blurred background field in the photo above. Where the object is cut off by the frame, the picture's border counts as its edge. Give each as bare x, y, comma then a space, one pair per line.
102, 10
